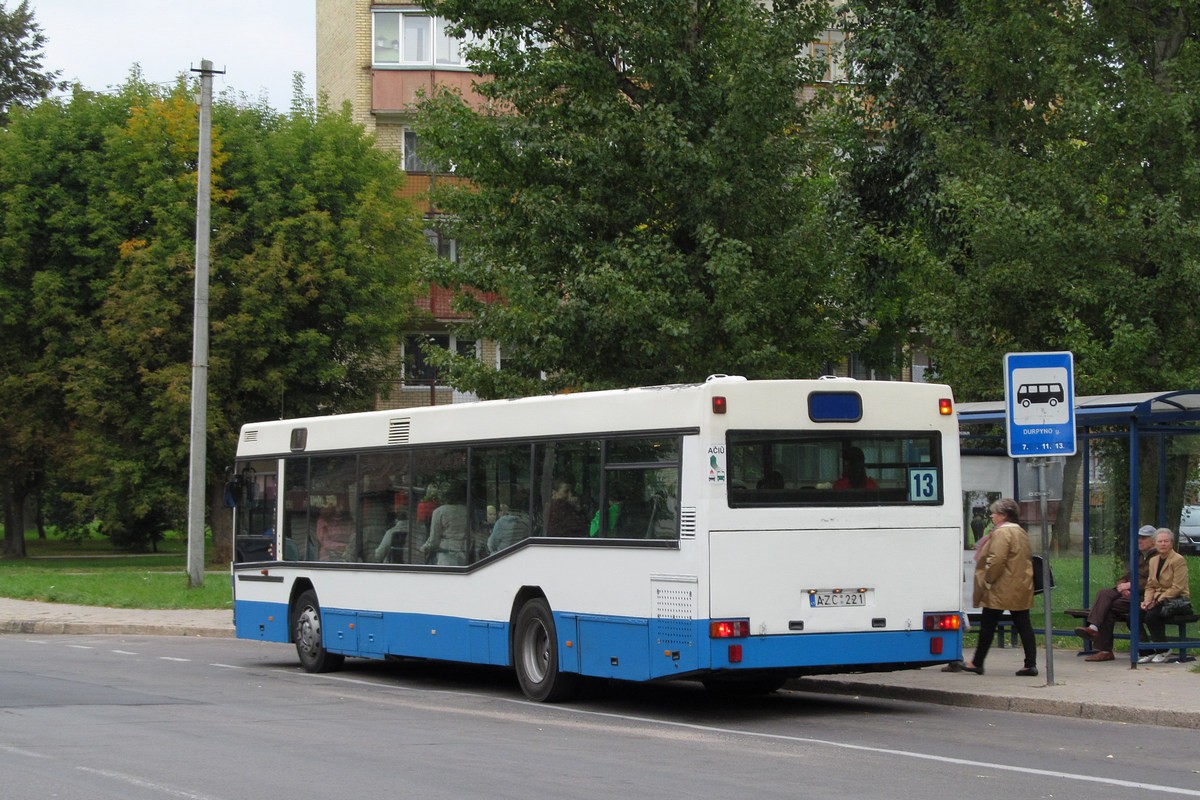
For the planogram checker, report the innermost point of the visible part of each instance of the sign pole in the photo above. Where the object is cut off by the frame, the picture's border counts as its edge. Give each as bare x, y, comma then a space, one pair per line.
1039, 411
1043, 506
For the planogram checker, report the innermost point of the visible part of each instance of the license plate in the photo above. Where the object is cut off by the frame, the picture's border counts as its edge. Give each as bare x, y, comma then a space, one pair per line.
837, 599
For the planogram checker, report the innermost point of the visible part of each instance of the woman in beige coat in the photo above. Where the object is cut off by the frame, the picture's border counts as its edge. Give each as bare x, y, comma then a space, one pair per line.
1004, 582
1168, 577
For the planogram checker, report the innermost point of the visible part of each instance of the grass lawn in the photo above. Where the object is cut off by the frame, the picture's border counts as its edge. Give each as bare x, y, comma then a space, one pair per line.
94, 573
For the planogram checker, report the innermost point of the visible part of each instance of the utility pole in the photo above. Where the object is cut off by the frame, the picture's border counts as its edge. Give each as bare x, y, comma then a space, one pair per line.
197, 472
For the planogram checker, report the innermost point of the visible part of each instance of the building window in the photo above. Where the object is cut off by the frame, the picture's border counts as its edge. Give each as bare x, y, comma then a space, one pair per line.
413, 162
418, 371
830, 51
412, 38
446, 247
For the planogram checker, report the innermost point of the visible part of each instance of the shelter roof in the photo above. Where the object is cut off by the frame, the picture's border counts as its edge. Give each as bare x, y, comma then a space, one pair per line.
1105, 409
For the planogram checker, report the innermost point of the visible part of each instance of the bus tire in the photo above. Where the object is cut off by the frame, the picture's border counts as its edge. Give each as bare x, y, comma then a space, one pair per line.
535, 655
306, 631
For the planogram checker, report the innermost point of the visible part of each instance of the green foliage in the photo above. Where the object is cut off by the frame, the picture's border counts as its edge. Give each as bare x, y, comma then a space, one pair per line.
22, 79
645, 194
313, 260
1038, 166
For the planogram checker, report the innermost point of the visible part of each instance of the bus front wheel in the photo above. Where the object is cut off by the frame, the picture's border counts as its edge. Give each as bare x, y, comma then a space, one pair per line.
535, 655
306, 630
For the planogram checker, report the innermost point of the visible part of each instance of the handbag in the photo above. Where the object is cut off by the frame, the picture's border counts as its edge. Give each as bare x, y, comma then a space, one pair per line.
1177, 607
1038, 578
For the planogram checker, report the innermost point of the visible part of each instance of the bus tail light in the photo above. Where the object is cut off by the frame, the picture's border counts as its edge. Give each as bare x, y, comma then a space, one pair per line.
943, 622
729, 629
719, 404
945, 406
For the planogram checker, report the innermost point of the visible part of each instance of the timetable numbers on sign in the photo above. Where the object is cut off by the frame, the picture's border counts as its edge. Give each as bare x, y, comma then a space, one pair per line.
837, 598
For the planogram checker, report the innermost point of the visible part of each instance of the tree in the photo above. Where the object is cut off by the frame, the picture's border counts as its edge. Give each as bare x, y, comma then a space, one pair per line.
1043, 183
313, 261
22, 79
52, 264
643, 190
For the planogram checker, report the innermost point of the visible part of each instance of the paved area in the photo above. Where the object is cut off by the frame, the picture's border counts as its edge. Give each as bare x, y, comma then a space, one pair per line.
1152, 694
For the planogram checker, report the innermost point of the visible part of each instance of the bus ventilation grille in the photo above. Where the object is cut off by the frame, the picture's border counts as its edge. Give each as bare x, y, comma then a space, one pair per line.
251, 436
398, 431
687, 523
674, 610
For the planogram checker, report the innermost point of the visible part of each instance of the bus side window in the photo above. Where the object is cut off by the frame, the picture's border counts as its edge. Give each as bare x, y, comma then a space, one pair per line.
568, 478
334, 480
500, 498
641, 489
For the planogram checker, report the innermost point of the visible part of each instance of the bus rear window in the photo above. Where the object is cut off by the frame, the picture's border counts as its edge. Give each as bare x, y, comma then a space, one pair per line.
840, 468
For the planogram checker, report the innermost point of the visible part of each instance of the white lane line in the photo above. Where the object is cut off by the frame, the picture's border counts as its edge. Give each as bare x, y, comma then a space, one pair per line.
16, 751
172, 658
226, 666
81, 647
144, 784
962, 762
124, 653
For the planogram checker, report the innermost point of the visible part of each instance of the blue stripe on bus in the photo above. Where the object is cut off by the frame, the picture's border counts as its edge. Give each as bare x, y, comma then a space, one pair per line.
267, 622
627, 648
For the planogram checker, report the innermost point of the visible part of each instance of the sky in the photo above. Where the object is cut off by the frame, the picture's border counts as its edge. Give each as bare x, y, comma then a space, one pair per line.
258, 43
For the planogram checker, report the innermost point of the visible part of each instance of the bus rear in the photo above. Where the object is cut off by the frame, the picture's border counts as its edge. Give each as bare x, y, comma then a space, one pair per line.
834, 530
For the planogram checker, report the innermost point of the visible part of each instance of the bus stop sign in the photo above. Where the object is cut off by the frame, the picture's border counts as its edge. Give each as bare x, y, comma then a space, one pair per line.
1039, 404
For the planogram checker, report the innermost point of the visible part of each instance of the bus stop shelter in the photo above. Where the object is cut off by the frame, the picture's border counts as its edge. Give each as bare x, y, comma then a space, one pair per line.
1143, 425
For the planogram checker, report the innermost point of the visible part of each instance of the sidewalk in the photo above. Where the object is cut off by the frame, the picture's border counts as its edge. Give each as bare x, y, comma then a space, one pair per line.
26, 616
1152, 694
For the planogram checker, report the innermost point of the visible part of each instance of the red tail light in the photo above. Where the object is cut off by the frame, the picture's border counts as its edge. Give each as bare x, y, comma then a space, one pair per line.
945, 407
943, 622
729, 629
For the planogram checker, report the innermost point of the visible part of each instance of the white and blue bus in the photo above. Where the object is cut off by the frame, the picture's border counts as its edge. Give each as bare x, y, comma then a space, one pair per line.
736, 532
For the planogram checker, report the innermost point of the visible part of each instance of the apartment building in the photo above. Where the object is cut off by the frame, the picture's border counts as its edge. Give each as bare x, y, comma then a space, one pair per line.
379, 56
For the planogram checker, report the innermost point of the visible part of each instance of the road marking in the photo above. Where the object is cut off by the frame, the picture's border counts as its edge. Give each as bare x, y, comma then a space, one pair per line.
226, 666
962, 762
124, 653
16, 751
81, 647
144, 784
172, 658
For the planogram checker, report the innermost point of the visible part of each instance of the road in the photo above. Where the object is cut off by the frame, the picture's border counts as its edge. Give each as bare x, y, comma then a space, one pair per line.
221, 719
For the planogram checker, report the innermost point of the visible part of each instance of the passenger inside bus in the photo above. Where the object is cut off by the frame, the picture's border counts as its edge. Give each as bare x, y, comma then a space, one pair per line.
448, 534
513, 526
335, 532
854, 471
563, 517
391, 547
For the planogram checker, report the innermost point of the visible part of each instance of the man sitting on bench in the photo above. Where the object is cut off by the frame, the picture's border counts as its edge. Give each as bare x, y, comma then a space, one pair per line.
1113, 603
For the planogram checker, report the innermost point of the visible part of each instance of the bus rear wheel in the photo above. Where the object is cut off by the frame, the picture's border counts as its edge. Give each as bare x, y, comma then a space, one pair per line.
535, 655
306, 631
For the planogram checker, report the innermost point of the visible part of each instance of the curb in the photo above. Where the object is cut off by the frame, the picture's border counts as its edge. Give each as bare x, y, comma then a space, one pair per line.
119, 629
1025, 705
